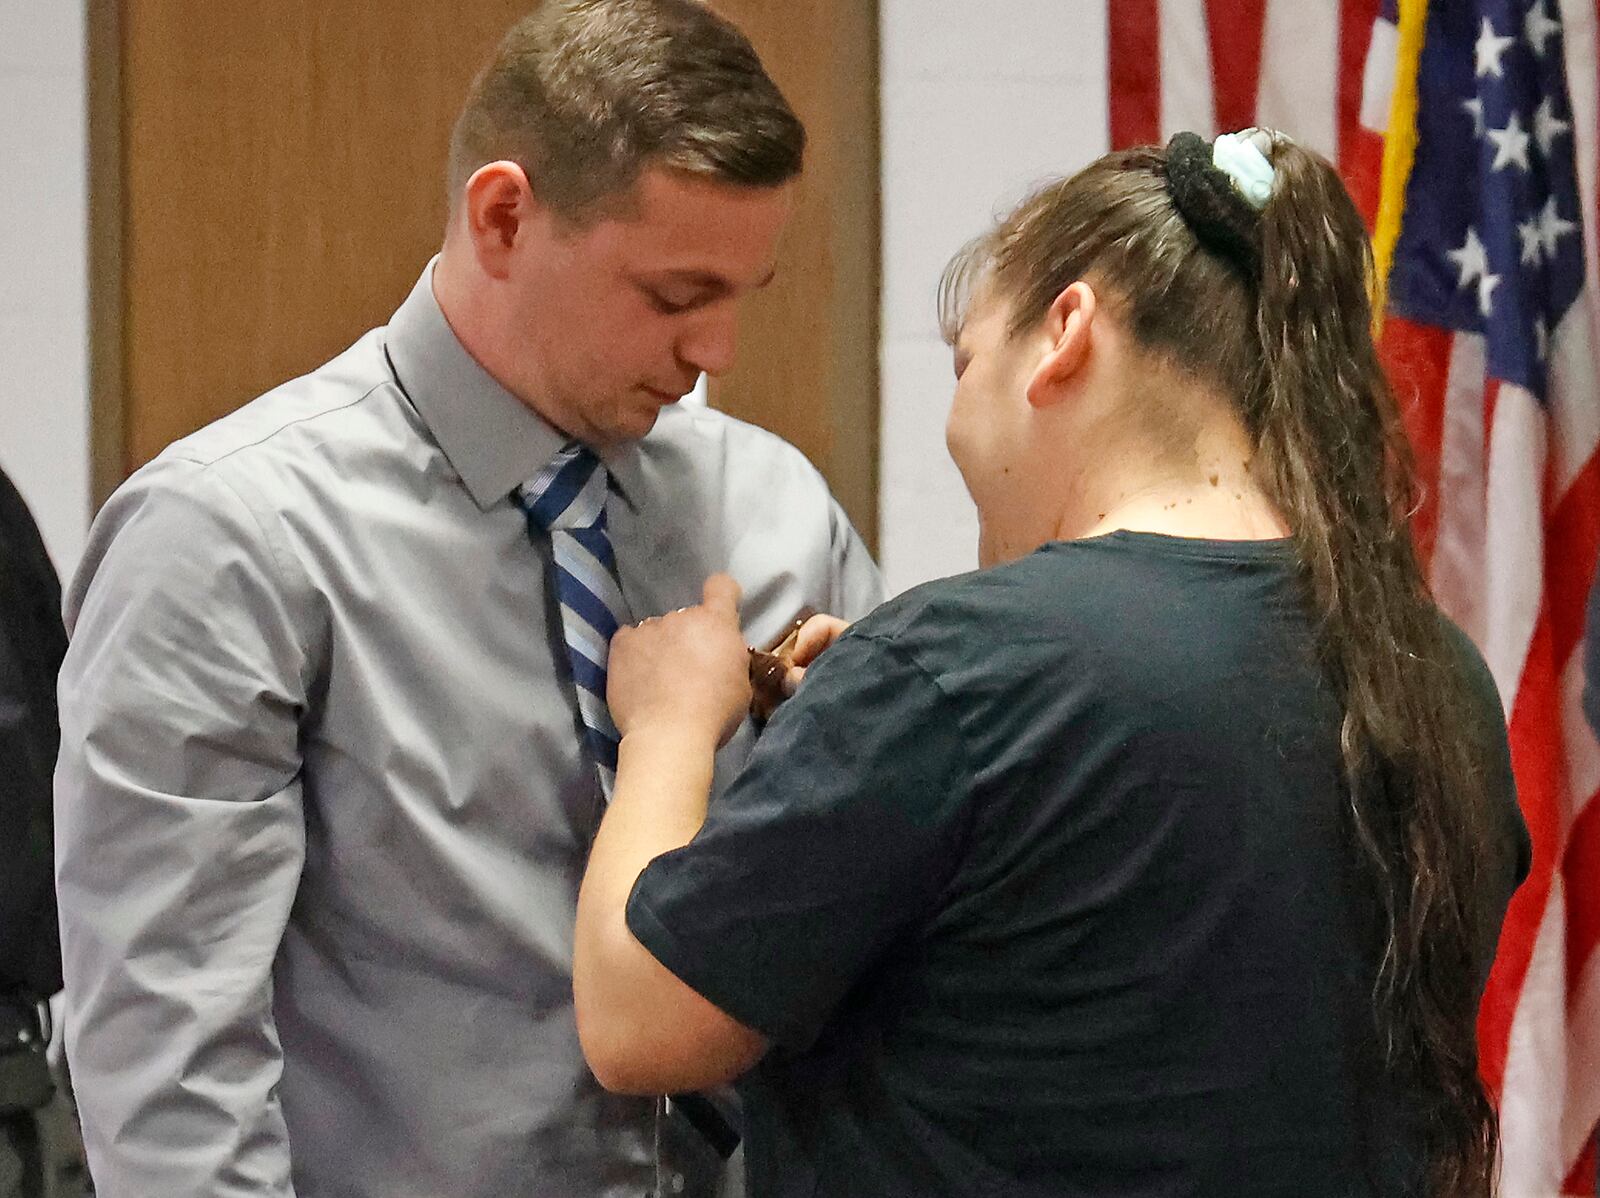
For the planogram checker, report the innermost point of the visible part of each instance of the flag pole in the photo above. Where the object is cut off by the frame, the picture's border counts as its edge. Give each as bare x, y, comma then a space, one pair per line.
1399, 152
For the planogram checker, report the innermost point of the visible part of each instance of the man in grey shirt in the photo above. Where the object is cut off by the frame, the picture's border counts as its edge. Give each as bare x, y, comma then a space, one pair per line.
326, 782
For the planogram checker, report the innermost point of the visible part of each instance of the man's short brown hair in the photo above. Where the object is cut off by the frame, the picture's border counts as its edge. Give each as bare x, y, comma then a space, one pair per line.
584, 94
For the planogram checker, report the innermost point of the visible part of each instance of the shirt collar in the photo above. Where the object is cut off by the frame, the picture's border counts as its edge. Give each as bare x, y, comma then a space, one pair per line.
492, 439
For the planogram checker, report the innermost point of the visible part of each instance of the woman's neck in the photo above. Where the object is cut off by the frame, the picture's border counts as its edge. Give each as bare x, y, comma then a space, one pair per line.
1193, 513
1210, 490
1182, 468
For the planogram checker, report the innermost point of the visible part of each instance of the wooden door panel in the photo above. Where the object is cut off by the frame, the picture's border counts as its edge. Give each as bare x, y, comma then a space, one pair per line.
281, 185
808, 366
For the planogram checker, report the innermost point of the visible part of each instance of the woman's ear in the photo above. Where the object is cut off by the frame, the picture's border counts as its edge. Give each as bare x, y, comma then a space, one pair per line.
1068, 332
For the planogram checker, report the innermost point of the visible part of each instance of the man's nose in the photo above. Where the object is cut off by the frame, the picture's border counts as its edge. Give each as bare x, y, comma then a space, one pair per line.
711, 342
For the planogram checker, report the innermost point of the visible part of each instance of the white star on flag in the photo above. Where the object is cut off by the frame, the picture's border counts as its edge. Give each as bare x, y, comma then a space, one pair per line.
1472, 258
1491, 48
1486, 286
1511, 145
1540, 27
1474, 108
1547, 126
1532, 242
1553, 225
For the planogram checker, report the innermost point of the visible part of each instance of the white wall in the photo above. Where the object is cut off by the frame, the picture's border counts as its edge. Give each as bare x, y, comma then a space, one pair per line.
44, 349
980, 101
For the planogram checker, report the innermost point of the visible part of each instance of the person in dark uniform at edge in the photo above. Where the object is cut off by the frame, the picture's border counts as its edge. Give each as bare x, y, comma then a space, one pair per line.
1165, 854
38, 1150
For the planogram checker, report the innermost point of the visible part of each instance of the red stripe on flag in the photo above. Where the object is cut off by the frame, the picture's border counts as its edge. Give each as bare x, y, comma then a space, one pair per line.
1572, 540
1537, 764
1491, 400
1584, 1180
1134, 73
1417, 360
1360, 149
1235, 30
1580, 869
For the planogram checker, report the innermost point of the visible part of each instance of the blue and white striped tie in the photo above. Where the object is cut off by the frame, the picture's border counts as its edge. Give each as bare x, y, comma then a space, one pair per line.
567, 500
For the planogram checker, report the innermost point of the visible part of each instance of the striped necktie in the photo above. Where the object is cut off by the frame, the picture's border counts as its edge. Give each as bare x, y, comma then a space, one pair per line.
567, 500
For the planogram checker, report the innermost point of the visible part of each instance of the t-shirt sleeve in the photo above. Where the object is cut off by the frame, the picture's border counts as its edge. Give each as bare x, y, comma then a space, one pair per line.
837, 839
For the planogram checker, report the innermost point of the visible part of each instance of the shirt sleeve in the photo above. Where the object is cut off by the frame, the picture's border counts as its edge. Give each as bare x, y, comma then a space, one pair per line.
180, 836
837, 840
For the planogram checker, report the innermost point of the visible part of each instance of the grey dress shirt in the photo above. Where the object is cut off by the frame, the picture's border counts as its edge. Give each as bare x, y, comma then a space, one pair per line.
322, 801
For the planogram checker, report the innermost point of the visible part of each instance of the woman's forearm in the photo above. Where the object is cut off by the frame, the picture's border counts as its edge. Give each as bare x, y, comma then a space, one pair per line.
643, 1030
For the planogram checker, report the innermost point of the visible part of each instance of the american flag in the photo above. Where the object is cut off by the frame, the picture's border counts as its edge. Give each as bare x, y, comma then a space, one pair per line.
1491, 341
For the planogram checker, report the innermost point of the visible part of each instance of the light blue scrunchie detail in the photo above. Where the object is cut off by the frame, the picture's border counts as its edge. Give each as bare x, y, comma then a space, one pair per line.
1239, 156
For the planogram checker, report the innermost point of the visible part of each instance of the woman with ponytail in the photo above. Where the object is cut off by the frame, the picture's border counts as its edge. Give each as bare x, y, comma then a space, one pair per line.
1165, 854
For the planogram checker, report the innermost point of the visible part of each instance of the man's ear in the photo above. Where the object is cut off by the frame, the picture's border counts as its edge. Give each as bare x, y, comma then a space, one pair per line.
1068, 332
498, 204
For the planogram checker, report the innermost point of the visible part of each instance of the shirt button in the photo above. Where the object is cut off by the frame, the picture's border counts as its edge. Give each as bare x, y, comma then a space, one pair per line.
677, 1183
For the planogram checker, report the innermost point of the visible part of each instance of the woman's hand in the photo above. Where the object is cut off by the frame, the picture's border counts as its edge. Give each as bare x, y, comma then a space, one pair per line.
815, 635
686, 673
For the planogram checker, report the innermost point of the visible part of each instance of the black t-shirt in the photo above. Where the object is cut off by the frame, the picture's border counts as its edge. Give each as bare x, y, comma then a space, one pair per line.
1040, 886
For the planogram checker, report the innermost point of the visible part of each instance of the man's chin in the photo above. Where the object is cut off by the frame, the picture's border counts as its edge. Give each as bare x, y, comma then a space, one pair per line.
639, 424
630, 423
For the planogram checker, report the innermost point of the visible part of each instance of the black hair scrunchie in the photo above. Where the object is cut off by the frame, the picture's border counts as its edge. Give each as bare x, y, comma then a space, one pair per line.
1205, 197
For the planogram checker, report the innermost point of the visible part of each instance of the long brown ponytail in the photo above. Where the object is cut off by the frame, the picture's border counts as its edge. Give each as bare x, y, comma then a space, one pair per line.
1331, 444
1286, 331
